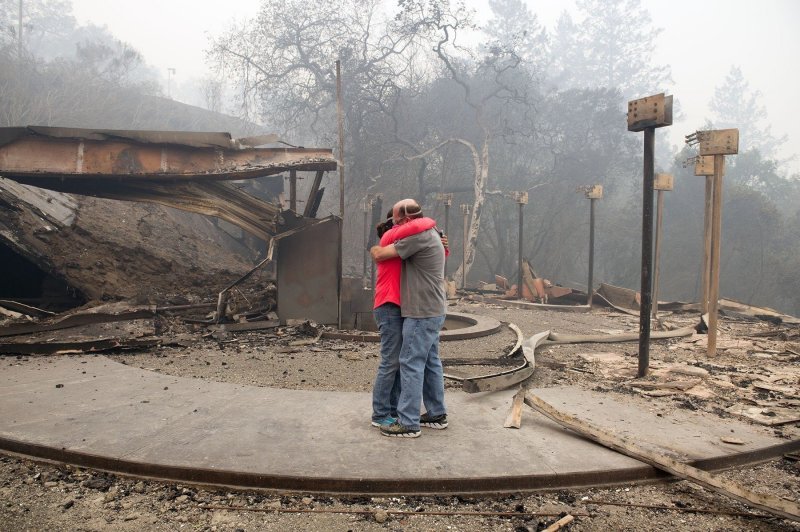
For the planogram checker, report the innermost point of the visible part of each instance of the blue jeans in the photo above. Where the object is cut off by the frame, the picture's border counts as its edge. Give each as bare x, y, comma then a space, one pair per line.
386, 391
421, 374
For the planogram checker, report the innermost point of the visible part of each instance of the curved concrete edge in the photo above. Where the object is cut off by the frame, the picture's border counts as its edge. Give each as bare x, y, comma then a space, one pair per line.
538, 306
478, 326
361, 486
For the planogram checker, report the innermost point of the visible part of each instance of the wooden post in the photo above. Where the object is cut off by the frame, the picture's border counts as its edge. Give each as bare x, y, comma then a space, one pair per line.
663, 182
704, 166
716, 230
707, 241
465, 212
719, 142
590, 281
657, 252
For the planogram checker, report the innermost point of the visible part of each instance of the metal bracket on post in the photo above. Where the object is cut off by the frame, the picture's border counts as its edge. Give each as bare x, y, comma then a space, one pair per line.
717, 143
646, 114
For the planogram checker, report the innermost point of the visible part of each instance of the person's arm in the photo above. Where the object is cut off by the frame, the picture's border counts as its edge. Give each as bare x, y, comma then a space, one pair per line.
412, 227
381, 253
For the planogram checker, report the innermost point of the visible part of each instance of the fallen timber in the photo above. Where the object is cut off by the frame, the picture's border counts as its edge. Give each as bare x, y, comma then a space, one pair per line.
48, 154
555, 338
768, 503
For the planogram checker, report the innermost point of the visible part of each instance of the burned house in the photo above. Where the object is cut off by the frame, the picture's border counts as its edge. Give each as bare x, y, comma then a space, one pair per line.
189, 212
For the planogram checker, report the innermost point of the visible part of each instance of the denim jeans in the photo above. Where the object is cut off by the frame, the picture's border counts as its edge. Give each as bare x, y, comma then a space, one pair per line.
386, 391
421, 374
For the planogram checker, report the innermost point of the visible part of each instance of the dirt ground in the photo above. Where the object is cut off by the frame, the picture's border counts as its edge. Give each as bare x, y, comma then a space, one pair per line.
756, 372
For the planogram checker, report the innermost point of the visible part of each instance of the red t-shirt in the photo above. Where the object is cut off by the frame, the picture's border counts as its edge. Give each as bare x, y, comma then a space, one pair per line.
387, 278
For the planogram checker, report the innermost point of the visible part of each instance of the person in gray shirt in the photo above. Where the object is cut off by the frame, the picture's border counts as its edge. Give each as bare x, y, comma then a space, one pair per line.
423, 307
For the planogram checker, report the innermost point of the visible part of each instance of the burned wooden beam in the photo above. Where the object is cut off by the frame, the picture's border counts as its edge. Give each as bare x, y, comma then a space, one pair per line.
768, 503
314, 196
98, 315
68, 153
81, 346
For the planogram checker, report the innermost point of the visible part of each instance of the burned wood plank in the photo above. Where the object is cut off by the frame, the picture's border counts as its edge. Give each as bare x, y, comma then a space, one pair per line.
250, 326
76, 320
497, 381
556, 338
25, 309
312, 202
561, 523
84, 346
80, 153
620, 297
767, 503
514, 417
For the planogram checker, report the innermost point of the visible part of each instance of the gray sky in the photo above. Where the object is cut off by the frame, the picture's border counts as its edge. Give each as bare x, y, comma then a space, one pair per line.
701, 40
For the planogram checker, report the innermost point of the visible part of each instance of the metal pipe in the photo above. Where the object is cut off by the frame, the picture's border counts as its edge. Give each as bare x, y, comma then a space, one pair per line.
377, 217
340, 114
589, 284
465, 211
446, 218
647, 250
366, 238
293, 190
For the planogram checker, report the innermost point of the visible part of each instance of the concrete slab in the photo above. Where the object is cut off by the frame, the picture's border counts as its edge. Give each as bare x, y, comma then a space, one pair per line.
111, 416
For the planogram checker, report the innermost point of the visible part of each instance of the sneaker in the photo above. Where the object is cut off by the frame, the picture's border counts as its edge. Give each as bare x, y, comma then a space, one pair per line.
385, 422
398, 430
433, 422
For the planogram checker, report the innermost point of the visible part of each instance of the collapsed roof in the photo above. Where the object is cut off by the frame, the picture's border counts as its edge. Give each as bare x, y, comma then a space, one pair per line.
108, 249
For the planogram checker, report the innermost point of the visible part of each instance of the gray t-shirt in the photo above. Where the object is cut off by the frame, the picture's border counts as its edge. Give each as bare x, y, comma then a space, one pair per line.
422, 289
